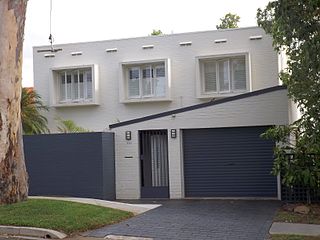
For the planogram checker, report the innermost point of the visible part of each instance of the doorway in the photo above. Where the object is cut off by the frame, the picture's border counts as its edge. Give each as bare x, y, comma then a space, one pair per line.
154, 164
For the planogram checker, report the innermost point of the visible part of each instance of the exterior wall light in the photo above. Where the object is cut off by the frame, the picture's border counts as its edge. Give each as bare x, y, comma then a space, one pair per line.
128, 135
173, 133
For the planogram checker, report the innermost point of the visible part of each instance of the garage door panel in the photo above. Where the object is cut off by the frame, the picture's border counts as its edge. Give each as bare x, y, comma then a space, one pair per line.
228, 162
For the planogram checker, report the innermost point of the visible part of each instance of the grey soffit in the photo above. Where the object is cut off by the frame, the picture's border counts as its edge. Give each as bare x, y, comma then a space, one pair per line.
198, 106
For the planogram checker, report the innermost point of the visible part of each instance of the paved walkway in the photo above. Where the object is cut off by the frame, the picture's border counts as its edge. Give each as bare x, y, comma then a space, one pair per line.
199, 219
134, 208
295, 229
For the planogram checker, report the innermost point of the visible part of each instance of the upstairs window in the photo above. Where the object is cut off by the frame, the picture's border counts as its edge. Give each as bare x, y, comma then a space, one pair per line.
146, 81
224, 75
75, 85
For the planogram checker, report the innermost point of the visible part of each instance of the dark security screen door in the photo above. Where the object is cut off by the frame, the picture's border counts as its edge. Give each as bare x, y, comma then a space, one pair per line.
154, 164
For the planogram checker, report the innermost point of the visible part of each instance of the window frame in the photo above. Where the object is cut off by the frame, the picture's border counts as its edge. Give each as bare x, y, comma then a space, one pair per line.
57, 72
141, 68
72, 97
200, 78
141, 65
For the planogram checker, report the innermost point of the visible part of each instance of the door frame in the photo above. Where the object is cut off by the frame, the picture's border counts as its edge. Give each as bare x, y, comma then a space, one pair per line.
153, 192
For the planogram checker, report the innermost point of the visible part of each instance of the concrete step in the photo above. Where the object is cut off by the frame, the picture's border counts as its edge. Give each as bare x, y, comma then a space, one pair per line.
295, 229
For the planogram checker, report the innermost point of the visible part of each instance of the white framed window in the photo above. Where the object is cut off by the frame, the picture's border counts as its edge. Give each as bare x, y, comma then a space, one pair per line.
224, 75
145, 81
75, 86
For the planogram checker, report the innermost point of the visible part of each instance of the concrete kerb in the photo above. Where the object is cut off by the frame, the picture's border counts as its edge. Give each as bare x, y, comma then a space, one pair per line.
134, 208
31, 232
295, 229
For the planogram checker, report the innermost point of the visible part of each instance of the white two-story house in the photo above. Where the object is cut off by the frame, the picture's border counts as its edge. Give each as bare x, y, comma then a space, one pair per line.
187, 109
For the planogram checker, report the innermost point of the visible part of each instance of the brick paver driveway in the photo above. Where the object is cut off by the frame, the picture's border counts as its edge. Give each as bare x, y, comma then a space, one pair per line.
200, 220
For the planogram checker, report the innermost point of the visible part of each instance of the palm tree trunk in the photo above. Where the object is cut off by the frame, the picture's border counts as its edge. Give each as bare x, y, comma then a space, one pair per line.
13, 175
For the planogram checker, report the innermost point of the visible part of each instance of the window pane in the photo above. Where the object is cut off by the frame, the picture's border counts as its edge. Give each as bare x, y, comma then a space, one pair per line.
146, 82
210, 77
160, 81
88, 78
69, 86
133, 83
81, 87
224, 76
62, 87
146, 72
160, 71
134, 73
75, 85
239, 74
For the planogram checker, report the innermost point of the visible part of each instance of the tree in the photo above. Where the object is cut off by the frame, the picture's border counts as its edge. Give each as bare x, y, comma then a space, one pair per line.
229, 21
69, 126
13, 175
156, 32
295, 28
31, 106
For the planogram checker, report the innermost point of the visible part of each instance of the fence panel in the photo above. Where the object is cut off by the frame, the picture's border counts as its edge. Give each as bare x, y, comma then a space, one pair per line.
75, 164
299, 193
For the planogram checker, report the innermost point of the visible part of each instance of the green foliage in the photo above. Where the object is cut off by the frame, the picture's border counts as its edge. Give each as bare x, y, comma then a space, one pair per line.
31, 107
293, 159
156, 32
295, 28
229, 21
69, 126
68, 217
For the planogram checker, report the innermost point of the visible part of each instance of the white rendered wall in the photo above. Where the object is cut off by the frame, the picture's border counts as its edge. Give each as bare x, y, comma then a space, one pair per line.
266, 109
263, 71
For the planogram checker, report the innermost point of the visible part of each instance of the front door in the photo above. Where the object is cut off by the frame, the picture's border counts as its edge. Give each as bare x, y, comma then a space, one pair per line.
154, 164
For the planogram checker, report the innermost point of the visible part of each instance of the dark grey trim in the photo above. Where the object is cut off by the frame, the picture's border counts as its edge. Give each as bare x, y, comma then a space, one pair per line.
108, 166
197, 106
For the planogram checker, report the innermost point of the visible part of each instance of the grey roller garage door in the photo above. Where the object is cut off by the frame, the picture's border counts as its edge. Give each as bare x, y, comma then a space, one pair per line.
228, 162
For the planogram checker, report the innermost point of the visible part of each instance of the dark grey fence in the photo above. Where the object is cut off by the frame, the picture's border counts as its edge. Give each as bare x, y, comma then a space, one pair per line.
76, 164
299, 193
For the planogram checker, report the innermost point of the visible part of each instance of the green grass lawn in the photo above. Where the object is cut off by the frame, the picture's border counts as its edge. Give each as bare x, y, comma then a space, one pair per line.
68, 217
293, 237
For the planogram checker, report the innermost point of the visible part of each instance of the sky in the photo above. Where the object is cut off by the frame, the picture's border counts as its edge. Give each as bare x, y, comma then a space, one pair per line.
94, 20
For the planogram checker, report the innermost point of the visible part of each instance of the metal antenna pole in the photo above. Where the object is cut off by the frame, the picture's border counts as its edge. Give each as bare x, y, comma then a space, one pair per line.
50, 36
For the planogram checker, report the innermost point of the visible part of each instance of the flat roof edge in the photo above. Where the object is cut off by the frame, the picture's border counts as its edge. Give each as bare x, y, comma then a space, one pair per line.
149, 36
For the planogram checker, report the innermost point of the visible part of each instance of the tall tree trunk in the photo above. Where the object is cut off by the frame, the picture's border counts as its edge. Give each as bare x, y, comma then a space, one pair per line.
13, 175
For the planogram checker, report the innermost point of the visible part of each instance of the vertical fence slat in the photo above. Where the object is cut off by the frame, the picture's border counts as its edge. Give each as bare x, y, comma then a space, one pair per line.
298, 193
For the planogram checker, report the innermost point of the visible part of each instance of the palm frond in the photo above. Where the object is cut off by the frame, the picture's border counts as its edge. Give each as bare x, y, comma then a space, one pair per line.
33, 122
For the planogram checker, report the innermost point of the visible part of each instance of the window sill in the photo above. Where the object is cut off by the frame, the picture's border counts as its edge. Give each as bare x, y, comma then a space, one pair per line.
220, 95
143, 100
74, 104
